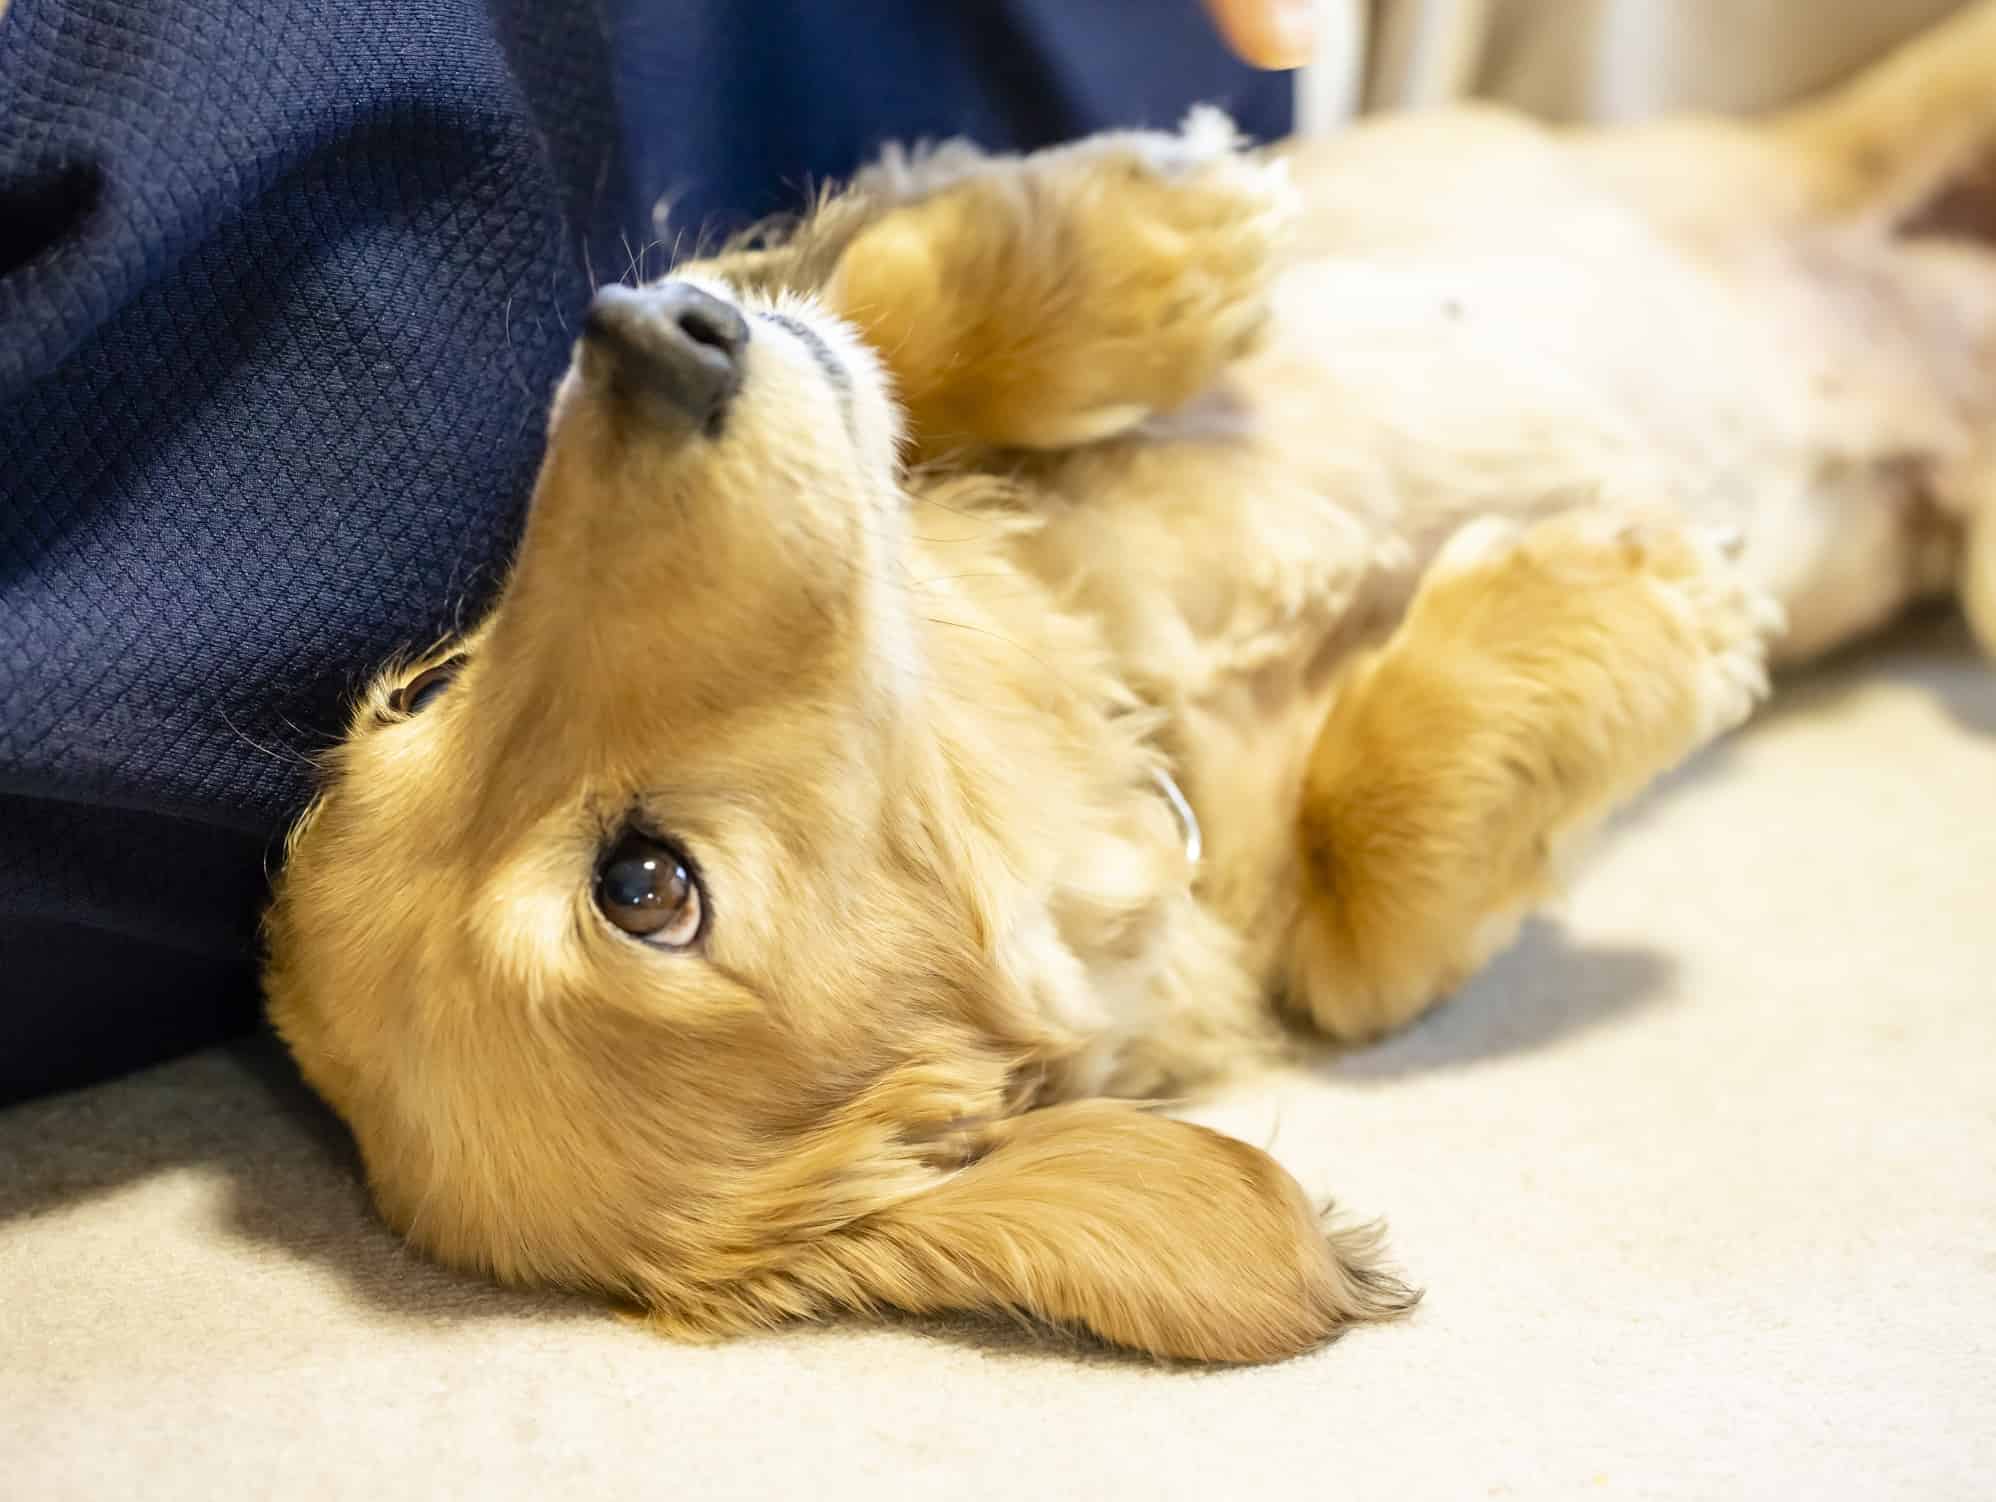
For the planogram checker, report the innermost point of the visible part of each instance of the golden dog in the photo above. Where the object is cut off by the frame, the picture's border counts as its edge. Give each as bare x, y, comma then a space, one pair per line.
1010, 645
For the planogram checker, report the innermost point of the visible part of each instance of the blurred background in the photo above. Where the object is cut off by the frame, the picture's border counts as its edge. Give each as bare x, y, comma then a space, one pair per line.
1605, 59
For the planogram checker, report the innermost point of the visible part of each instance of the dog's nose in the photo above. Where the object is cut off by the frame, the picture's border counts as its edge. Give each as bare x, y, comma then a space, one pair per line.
673, 341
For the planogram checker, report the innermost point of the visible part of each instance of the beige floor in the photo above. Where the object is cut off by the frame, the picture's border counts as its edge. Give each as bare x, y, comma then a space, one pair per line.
1701, 1182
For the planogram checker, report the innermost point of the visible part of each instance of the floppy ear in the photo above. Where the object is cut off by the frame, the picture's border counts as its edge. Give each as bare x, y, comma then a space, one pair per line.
1149, 1232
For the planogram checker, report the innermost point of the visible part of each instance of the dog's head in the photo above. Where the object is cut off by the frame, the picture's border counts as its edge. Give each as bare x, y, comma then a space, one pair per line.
682, 934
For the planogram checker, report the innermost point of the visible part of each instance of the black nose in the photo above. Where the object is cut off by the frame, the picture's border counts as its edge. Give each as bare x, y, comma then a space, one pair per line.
671, 342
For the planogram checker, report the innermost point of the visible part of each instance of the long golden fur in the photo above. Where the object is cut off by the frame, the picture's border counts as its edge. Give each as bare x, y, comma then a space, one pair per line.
1411, 500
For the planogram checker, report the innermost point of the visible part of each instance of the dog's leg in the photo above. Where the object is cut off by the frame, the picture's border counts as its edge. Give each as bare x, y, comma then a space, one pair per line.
1910, 146
1053, 300
1904, 124
1540, 677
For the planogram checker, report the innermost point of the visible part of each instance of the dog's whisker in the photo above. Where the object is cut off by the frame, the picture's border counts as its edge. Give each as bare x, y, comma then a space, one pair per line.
554, 295
929, 581
281, 755
305, 737
513, 364
931, 539
1274, 1130
1021, 647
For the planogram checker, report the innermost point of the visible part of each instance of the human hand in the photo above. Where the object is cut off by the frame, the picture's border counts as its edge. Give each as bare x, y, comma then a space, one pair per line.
1271, 34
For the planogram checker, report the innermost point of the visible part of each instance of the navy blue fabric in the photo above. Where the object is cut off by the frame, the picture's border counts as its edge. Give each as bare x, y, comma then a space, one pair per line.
284, 286
733, 109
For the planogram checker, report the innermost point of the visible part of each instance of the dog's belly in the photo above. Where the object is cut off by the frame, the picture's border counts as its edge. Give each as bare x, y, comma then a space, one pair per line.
1487, 327
1236, 551
1655, 318
1775, 400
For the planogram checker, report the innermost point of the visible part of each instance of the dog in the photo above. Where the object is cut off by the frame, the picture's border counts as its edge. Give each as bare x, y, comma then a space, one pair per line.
1040, 632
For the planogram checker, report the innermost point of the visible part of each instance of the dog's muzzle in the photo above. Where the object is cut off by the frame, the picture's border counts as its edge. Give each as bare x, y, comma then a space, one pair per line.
672, 345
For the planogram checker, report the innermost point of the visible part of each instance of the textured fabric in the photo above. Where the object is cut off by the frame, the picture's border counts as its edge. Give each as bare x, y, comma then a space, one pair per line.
284, 285
1697, 1184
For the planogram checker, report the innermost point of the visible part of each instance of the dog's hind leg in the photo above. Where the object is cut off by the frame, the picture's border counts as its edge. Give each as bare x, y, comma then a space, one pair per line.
1052, 300
1540, 677
1902, 125
1909, 149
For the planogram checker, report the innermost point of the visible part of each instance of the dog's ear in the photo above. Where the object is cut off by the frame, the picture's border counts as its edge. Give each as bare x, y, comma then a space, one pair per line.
1148, 1232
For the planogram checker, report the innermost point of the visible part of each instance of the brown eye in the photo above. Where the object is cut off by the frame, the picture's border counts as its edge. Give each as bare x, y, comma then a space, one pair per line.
416, 695
646, 889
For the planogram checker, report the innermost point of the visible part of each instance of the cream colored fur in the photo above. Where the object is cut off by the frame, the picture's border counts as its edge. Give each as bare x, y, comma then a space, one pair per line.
1413, 501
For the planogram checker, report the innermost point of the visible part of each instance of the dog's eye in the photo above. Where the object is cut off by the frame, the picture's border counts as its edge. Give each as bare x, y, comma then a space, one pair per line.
645, 888
416, 695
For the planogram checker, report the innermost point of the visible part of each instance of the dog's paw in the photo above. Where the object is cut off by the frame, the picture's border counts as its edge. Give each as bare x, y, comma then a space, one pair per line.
1182, 237
1642, 624
1053, 300
1544, 673
1731, 622
1726, 625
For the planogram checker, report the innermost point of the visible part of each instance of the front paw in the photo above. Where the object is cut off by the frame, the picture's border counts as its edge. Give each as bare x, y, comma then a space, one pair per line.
1637, 632
1179, 239
1058, 299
